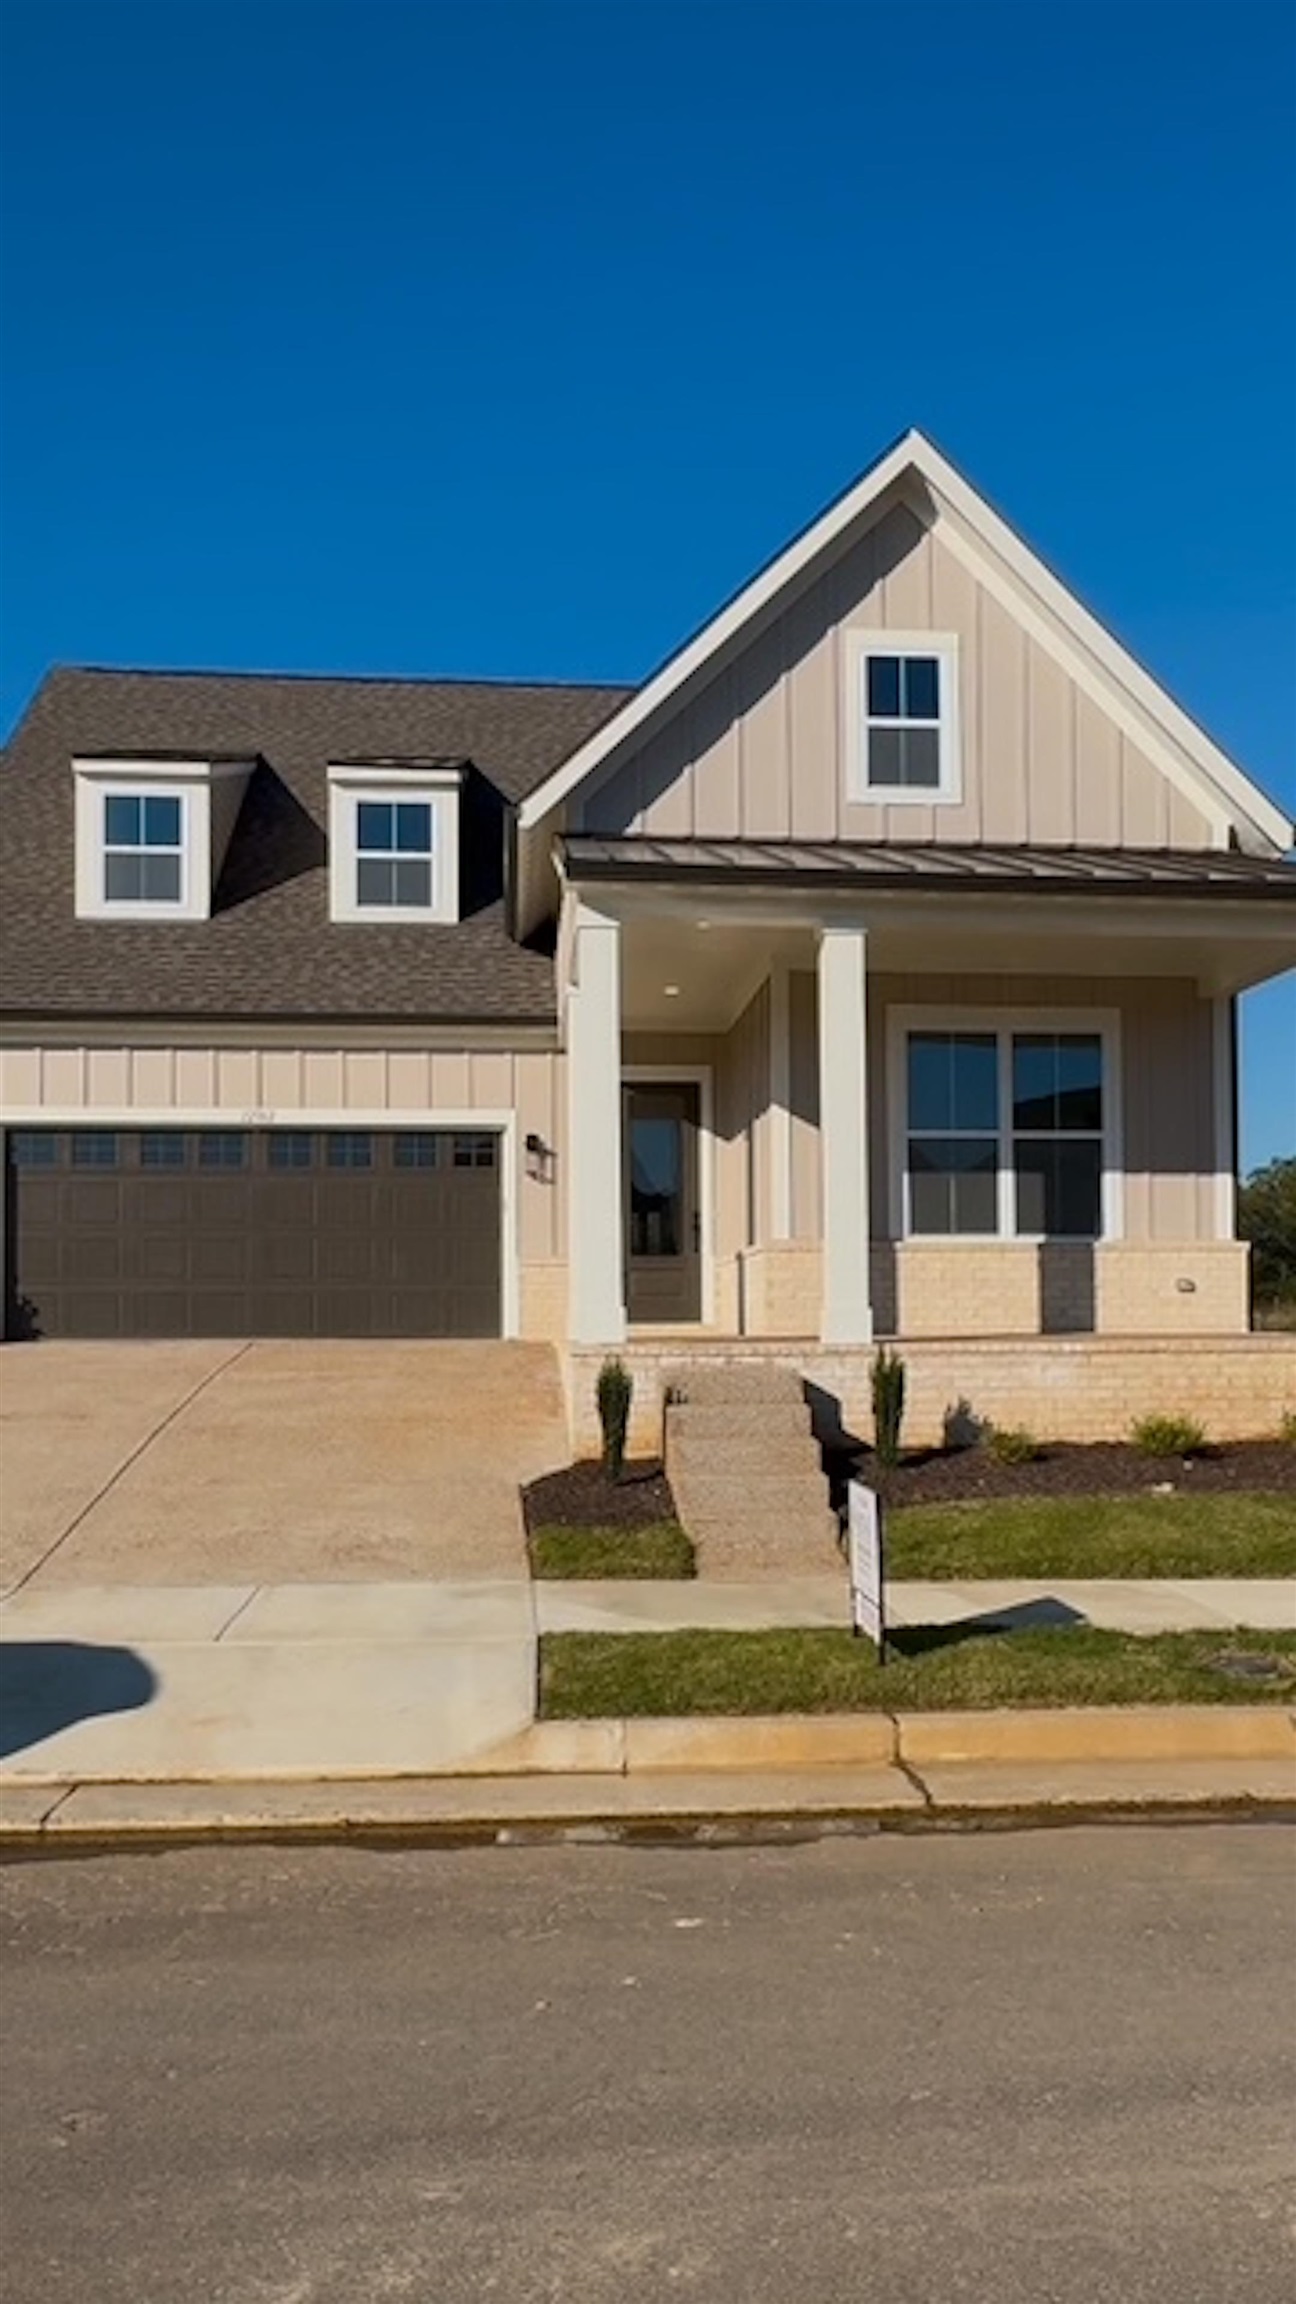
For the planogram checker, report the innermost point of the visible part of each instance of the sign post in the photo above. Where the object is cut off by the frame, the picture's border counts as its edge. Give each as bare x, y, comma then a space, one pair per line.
864, 1527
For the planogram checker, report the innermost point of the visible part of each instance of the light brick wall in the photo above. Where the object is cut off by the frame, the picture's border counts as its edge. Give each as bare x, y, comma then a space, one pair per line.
1194, 1288
956, 1288
1059, 1388
783, 1289
542, 1301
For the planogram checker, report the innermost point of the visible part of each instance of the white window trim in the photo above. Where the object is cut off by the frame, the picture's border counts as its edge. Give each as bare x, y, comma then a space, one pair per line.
1004, 1022
435, 788
702, 1077
496, 1120
188, 781
858, 646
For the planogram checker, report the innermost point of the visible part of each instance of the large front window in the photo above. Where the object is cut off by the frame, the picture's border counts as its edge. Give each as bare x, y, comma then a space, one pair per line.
1004, 1134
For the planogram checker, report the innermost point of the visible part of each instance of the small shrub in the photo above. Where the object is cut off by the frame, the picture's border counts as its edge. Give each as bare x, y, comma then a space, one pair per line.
1012, 1444
887, 1377
614, 1394
1168, 1435
1287, 1427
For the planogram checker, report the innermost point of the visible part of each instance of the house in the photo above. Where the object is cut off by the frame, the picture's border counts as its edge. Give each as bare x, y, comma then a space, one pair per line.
869, 971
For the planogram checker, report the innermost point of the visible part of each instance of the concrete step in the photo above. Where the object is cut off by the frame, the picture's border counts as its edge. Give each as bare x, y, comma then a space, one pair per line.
738, 1383
743, 1468
731, 1423
715, 1495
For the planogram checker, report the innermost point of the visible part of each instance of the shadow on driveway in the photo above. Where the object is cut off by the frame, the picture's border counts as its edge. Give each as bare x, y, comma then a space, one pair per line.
46, 1685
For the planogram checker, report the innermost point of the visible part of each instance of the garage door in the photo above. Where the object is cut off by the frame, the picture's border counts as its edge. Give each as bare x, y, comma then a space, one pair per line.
243, 1232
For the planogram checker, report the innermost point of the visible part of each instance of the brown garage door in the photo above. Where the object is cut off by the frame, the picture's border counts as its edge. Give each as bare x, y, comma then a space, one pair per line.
243, 1232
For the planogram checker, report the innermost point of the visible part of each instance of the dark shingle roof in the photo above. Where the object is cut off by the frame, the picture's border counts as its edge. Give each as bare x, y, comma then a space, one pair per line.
269, 948
925, 865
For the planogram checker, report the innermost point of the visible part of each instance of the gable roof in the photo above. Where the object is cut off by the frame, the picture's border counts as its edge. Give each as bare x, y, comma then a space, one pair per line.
1007, 566
270, 948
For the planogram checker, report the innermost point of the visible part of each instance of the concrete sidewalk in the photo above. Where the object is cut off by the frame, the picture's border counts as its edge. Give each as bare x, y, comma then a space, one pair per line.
145, 1683
1184, 1604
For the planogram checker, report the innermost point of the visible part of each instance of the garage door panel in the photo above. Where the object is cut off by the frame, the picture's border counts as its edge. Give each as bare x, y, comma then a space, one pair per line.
283, 1245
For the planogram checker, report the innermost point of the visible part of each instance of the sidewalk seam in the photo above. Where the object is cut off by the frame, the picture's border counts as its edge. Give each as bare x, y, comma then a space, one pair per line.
241, 1610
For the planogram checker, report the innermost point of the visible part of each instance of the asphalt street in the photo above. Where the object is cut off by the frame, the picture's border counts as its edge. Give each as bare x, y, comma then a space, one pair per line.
1052, 2067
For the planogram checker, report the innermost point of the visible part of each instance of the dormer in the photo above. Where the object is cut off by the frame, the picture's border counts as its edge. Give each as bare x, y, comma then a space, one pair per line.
394, 840
151, 833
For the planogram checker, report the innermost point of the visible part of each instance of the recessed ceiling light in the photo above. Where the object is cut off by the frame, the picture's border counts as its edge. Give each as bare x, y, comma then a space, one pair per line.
703, 923
671, 991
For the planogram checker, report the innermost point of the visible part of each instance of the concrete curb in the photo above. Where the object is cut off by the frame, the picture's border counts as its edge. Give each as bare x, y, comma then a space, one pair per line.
613, 1778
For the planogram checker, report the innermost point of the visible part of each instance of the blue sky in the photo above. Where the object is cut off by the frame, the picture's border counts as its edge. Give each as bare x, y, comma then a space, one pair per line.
508, 339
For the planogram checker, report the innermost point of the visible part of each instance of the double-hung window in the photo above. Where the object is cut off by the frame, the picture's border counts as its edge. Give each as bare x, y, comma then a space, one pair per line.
394, 855
143, 843
904, 707
1004, 1133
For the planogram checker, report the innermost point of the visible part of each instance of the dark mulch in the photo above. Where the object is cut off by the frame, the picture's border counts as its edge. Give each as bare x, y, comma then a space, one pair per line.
1064, 1468
581, 1497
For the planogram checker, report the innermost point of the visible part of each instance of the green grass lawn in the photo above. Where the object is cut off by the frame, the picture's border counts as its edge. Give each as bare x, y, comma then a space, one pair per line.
1086, 1536
609, 1675
660, 1550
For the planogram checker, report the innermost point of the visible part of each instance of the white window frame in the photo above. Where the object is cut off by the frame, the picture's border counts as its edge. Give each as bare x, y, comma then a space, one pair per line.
188, 781
1004, 1023
437, 789
860, 646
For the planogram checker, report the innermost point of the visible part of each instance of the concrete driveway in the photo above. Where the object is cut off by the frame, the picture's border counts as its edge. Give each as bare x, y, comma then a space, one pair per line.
270, 1463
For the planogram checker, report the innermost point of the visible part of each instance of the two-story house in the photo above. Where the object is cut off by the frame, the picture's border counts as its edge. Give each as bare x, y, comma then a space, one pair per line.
869, 971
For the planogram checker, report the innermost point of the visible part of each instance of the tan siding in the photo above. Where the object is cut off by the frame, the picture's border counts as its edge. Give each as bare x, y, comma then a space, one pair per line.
20, 1078
152, 1079
803, 1019
760, 752
238, 1079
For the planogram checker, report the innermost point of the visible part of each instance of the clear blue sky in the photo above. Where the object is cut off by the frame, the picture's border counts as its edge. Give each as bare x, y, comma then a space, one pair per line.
508, 339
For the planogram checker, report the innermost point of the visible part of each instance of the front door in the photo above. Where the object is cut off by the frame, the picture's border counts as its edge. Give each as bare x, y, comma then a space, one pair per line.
663, 1221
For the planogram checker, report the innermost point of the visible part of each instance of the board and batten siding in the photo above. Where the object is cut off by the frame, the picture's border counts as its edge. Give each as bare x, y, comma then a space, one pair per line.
1167, 1090
251, 1085
760, 752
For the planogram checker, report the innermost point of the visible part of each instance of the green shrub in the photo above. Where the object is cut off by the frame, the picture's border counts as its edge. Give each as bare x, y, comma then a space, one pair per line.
614, 1394
887, 1377
1267, 1218
1168, 1435
1287, 1427
1012, 1444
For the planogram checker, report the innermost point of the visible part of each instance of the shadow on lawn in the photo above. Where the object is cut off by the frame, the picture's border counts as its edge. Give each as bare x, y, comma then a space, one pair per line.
1043, 1615
47, 1685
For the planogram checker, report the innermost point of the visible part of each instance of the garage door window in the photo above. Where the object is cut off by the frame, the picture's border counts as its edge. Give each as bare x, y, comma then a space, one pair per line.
94, 1148
353, 1149
221, 1148
35, 1148
474, 1151
415, 1150
161, 1148
291, 1148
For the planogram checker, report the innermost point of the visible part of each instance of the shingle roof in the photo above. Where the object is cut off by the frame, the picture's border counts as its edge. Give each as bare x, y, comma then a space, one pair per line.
270, 948
999, 871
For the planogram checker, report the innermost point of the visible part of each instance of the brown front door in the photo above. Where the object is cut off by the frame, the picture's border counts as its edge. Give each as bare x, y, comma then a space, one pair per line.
663, 1221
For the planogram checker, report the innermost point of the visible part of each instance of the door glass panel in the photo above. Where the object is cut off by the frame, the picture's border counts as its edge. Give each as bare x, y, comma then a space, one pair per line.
656, 1186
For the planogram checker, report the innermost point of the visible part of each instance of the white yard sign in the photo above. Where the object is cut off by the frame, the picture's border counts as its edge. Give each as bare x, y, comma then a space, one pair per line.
868, 1613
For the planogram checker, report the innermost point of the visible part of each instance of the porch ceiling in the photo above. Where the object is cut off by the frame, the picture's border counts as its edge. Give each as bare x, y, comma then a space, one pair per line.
705, 920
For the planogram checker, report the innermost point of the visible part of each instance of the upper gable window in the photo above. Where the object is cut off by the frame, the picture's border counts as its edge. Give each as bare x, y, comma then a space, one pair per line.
394, 843
904, 711
143, 847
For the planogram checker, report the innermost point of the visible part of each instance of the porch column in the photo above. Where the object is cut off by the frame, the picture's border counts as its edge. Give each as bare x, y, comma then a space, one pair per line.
847, 1316
595, 1261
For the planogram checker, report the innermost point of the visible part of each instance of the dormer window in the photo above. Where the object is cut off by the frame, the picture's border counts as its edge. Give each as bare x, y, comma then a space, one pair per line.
151, 833
394, 854
143, 847
904, 717
394, 841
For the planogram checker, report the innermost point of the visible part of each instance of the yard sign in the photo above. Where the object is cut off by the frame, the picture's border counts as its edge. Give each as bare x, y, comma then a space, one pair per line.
868, 1613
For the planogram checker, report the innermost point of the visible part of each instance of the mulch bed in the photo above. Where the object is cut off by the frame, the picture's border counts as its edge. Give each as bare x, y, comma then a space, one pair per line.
1064, 1468
580, 1497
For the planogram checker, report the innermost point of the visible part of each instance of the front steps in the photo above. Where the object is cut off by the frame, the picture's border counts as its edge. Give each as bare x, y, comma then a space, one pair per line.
744, 1468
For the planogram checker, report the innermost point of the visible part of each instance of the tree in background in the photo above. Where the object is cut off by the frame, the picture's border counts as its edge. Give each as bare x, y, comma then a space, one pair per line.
1267, 1218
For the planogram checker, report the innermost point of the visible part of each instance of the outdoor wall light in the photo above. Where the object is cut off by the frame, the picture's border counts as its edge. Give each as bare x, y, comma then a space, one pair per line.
539, 1158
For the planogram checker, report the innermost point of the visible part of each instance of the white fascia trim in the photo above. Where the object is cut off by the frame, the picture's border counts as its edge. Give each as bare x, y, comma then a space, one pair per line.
498, 1122
702, 1077
937, 1016
1226, 784
440, 787
857, 647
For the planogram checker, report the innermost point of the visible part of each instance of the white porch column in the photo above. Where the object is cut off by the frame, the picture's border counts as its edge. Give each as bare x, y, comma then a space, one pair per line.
843, 1136
595, 1260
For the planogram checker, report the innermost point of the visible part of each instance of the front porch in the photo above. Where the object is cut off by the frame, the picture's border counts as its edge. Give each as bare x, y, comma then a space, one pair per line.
795, 1119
